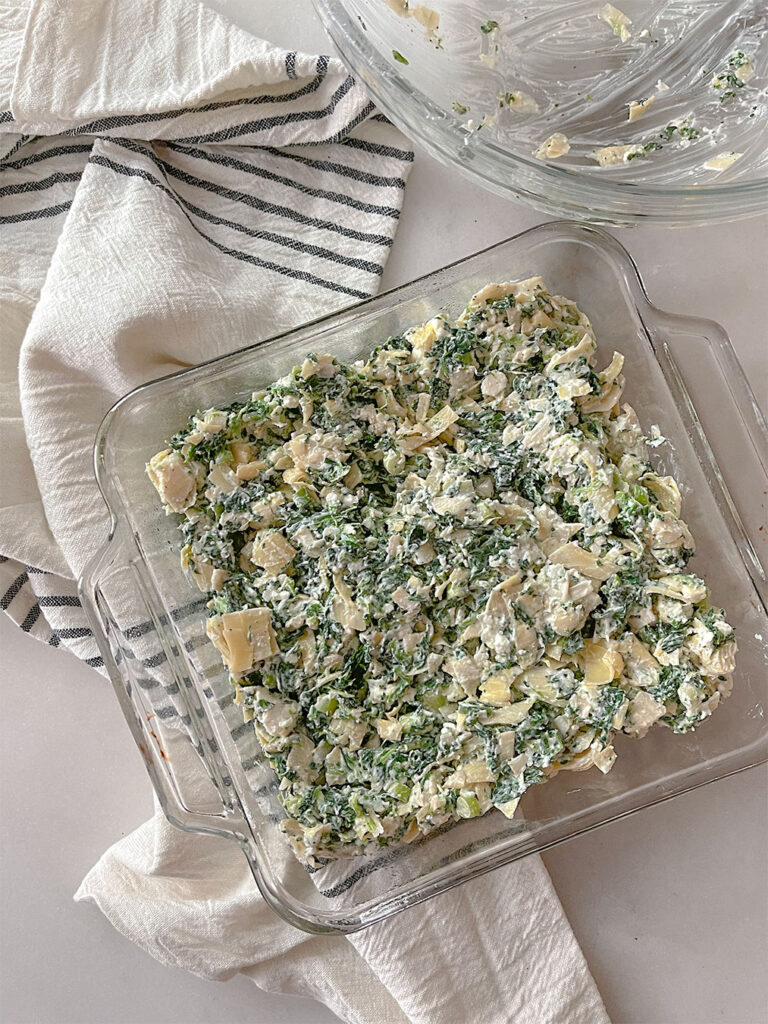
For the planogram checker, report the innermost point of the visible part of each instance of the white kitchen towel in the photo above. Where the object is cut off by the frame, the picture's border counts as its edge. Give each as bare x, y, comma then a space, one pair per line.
234, 171
167, 181
497, 950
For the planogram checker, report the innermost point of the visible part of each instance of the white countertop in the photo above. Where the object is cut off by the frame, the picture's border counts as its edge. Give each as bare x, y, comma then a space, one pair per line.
658, 956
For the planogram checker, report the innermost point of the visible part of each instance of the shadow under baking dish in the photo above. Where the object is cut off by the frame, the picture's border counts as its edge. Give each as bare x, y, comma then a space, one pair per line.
206, 765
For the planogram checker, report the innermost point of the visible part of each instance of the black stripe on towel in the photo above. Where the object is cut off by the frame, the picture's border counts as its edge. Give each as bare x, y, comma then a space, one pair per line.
379, 150
342, 133
235, 253
240, 730
13, 590
260, 204
36, 158
353, 879
73, 633
288, 243
214, 157
49, 211
299, 275
106, 124
268, 123
32, 616
282, 211
343, 169
60, 601
39, 186
21, 141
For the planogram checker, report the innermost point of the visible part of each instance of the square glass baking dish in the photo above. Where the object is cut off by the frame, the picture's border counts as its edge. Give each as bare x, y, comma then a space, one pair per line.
206, 765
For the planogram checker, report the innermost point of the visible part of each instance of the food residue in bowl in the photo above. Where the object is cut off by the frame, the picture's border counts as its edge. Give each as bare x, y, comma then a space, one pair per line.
723, 161
638, 107
594, 118
425, 16
610, 155
618, 21
555, 146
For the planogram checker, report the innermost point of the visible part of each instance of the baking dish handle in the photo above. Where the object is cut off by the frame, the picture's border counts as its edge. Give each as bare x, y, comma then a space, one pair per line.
155, 695
726, 426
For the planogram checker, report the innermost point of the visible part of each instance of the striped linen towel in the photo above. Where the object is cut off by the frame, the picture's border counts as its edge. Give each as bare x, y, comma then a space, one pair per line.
247, 171
167, 181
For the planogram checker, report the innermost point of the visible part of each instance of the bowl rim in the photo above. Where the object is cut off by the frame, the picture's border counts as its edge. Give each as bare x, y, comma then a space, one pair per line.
374, 70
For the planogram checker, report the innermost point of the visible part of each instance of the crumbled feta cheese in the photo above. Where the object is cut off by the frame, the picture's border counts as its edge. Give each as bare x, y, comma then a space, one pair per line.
555, 146
722, 161
618, 21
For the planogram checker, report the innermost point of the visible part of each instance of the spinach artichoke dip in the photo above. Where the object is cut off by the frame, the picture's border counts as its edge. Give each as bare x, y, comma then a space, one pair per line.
442, 575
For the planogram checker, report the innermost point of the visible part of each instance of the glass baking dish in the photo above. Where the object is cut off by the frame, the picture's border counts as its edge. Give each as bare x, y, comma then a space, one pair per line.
206, 765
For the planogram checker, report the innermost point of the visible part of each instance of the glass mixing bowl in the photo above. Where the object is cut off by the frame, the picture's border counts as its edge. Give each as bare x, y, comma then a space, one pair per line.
657, 111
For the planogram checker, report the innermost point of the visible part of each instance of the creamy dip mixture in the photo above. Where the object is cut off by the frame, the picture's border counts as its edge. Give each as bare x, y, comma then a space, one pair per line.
442, 575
